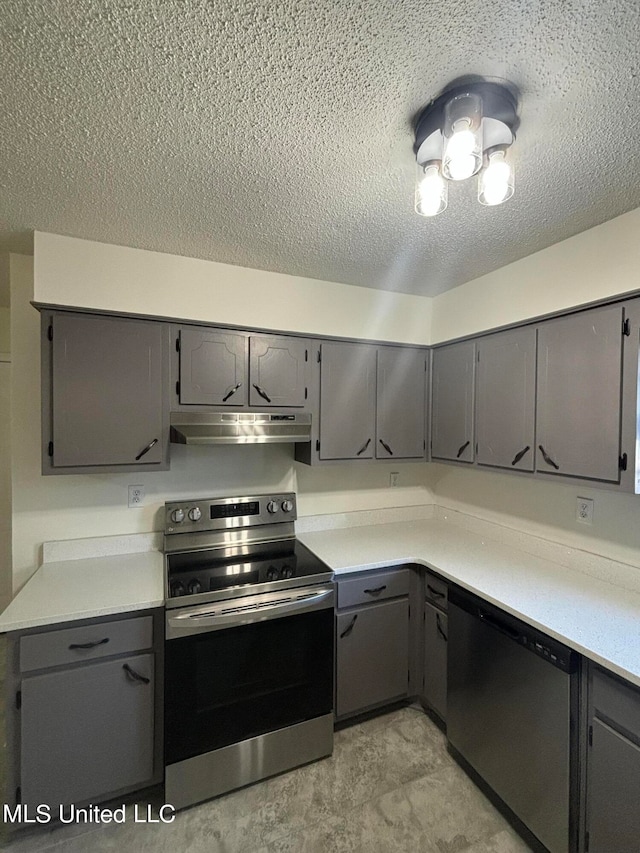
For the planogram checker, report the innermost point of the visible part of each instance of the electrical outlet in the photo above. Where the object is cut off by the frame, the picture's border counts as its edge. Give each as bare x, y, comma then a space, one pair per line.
136, 495
394, 478
584, 510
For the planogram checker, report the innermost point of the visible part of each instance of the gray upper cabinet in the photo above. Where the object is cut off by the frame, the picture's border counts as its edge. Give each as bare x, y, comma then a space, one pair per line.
579, 394
212, 367
106, 405
506, 399
347, 401
452, 383
278, 371
400, 413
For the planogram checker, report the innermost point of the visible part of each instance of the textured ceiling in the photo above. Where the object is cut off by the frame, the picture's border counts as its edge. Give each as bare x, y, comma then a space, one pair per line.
279, 135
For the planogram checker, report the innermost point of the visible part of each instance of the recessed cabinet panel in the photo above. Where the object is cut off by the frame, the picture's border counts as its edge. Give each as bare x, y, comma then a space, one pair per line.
506, 401
400, 418
87, 731
613, 790
212, 368
277, 371
452, 402
372, 649
579, 395
107, 391
435, 659
347, 401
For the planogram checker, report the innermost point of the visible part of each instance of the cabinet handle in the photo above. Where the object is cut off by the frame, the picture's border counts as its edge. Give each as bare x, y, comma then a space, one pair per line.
364, 447
519, 455
146, 449
349, 627
386, 447
262, 393
230, 393
547, 458
462, 449
89, 645
135, 675
440, 628
376, 590
436, 592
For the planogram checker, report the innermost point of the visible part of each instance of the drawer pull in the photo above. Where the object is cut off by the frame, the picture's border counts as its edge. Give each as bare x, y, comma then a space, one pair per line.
349, 627
435, 592
89, 645
440, 628
135, 675
376, 590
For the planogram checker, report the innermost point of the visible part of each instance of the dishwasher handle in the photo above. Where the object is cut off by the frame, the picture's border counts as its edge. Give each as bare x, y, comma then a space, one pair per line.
499, 625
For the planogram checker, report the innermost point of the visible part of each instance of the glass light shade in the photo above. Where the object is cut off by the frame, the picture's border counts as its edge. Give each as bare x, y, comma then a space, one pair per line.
496, 181
431, 191
462, 131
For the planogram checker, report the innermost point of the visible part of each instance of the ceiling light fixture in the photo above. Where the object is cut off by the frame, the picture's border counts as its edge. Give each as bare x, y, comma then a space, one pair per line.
465, 131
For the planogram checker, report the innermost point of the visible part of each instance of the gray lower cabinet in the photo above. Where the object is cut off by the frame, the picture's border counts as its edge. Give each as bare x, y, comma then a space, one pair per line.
579, 380
347, 401
105, 396
452, 402
85, 711
400, 403
434, 689
506, 399
373, 633
613, 766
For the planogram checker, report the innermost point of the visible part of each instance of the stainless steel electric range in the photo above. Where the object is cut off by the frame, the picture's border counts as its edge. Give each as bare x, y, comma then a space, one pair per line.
249, 646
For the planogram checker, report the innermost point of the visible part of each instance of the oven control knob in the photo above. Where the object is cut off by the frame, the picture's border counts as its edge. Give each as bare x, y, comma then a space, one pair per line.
287, 572
176, 589
194, 586
178, 516
272, 573
272, 507
287, 505
195, 513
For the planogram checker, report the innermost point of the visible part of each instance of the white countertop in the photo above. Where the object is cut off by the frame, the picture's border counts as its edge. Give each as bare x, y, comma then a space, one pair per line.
592, 616
86, 588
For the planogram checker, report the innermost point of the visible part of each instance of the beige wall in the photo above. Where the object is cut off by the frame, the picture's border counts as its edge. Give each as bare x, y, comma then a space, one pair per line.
115, 278
68, 506
5, 484
599, 263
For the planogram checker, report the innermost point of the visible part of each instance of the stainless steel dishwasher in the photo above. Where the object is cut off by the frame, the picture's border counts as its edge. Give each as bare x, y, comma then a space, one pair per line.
512, 716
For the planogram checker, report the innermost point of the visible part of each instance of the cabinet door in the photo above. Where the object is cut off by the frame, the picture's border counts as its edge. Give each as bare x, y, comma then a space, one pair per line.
452, 402
435, 659
107, 391
372, 648
400, 413
506, 399
277, 371
212, 368
347, 401
613, 785
87, 732
579, 395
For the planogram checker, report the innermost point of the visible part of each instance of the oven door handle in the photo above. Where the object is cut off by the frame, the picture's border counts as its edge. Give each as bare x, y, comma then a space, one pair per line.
182, 624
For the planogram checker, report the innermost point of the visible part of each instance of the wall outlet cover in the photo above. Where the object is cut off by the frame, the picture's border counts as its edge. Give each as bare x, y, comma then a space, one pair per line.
136, 496
394, 478
584, 510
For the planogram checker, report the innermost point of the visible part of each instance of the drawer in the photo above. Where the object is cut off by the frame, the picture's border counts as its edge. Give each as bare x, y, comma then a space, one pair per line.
618, 702
373, 587
88, 642
436, 590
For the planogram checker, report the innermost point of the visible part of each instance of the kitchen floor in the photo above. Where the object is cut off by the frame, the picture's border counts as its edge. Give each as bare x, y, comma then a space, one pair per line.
389, 786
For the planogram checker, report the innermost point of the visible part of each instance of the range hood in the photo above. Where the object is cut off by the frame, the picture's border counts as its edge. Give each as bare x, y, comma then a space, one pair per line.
240, 427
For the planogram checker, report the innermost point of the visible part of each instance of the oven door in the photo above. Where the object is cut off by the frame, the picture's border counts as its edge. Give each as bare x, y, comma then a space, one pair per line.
238, 669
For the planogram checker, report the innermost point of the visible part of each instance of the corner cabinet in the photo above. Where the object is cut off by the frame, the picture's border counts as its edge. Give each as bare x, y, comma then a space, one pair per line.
579, 394
452, 384
105, 401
